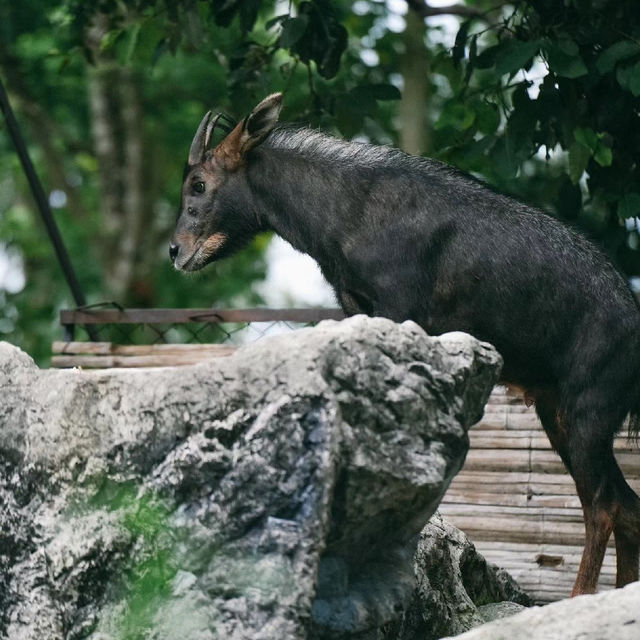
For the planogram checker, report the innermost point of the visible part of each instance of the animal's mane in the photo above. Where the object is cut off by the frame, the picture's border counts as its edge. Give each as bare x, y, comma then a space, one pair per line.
318, 144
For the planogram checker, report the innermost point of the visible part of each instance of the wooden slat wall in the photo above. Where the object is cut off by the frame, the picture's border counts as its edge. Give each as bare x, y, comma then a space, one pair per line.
106, 355
518, 505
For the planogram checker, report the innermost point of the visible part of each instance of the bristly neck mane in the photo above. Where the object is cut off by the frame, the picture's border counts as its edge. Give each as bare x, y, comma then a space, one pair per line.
320, 146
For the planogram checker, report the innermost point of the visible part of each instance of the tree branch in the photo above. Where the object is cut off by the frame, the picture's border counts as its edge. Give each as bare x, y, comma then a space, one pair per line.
424, 10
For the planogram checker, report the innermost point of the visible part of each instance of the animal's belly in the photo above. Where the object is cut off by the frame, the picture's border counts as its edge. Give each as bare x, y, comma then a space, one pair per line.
528, 362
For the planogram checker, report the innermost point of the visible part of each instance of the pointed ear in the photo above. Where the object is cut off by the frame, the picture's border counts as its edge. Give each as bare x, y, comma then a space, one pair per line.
259, 123
200, 140
249, 133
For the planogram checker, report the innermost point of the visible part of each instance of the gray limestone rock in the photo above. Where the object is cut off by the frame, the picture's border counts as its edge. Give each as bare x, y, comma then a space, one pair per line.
456, 589
269, 495
612, 615
499, 610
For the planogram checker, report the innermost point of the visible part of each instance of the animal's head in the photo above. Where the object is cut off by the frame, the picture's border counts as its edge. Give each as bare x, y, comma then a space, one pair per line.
213, 222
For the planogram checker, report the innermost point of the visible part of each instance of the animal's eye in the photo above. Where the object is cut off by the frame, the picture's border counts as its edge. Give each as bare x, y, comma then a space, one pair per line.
198, 187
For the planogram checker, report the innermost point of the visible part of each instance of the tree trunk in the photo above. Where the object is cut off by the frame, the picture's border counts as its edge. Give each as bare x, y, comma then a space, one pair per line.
116, 120
414, 134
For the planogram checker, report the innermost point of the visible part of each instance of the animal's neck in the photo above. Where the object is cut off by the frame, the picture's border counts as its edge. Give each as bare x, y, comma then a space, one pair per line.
300, 198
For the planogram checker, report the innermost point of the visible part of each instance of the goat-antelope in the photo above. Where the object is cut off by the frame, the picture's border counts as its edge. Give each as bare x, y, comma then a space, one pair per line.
411, 238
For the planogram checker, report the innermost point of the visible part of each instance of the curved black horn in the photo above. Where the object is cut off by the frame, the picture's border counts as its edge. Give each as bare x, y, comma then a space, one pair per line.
227, 123
231, 121
198, 145
210, 129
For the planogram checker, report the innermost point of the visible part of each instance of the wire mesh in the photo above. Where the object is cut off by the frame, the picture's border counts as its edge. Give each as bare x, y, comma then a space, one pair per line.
187, 333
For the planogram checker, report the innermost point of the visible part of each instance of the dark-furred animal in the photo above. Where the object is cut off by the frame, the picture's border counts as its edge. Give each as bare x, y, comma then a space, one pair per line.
411, 238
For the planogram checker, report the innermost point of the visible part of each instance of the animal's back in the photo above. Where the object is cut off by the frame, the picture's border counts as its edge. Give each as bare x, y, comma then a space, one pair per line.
411, 237
548, 299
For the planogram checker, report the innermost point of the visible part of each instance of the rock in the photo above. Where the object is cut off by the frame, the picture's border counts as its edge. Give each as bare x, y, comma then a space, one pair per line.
456, 589
208, 501
612, 615
499, 610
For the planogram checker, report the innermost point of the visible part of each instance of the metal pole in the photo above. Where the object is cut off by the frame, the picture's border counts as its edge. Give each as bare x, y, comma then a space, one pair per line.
42, 202
41, 199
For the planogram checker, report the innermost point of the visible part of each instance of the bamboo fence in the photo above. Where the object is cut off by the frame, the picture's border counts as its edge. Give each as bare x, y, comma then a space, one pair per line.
514, 499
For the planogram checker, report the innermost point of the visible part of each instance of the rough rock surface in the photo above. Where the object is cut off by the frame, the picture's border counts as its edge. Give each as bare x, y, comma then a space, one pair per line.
612, 615
447, 588
455, 589
207, 501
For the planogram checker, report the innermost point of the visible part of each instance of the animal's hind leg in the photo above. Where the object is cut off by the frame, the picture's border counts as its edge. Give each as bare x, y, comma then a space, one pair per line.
627, 556
598, 524
607, 500
547, 410
590, 454
626, 530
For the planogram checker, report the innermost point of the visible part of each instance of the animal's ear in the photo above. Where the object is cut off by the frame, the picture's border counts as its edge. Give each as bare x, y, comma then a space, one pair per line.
200, 140
259, 123
249, 133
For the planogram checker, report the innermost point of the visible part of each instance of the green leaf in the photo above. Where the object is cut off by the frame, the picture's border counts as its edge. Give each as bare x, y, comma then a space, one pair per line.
628, 78
473, 54
149, 40
603, 155
629, 206
594, 142
274, 21
487, 58
473, 48
566, 65
621, 50
132, 42
456, 115
487, 116
249, 14
109, 39
504, 159
567, 45
457, 53
325, 38
578, 158
514, 55
586, 137
292, 30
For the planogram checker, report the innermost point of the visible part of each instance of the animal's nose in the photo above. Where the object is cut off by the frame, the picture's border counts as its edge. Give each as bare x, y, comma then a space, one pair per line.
173, 251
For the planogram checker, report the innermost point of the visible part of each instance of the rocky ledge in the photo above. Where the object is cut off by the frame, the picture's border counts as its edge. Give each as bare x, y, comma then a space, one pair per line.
274, 494
612, 615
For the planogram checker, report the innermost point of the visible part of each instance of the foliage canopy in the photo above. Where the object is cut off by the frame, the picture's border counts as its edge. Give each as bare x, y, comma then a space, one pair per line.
541, 98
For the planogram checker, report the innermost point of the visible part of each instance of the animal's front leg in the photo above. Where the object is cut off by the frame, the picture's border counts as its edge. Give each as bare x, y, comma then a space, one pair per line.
398, 303
353, 303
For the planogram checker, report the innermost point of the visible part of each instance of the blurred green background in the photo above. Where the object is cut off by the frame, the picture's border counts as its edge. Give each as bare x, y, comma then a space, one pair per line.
539, 98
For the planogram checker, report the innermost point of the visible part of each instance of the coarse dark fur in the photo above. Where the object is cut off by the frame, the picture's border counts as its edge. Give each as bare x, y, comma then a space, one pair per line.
411, 238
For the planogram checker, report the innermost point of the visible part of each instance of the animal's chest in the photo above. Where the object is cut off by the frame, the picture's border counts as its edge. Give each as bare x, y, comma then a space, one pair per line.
353, 291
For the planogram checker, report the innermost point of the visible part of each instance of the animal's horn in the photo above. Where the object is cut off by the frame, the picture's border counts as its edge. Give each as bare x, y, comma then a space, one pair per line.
198, 145
210, 129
